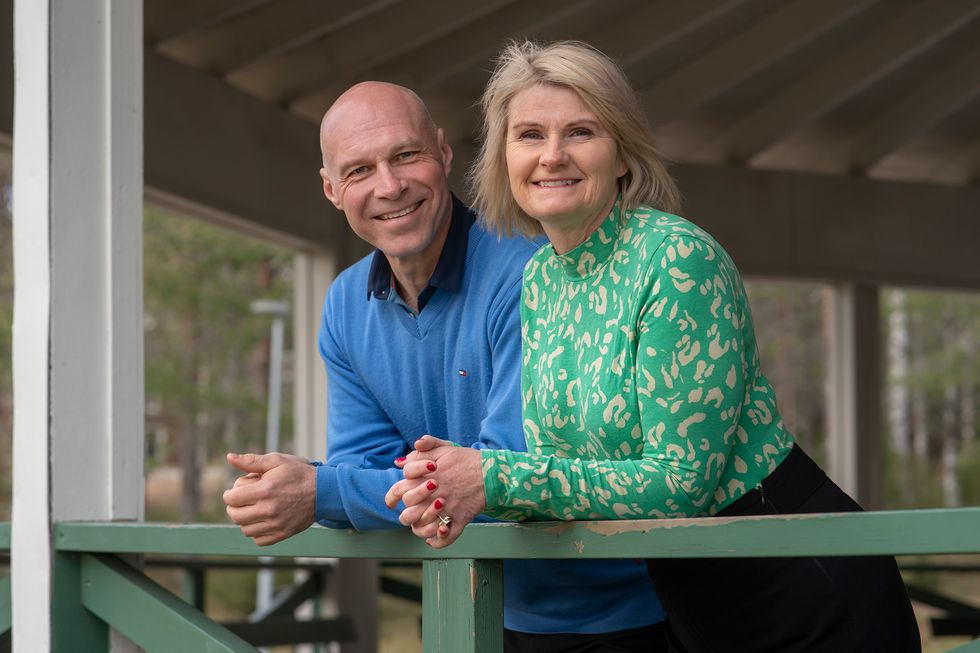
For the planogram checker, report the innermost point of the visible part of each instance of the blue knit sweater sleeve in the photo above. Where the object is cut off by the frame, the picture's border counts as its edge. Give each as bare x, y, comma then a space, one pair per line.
350, 487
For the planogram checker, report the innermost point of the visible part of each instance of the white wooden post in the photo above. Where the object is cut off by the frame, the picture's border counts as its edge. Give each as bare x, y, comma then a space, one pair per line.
854, 392
78, 322
313, 272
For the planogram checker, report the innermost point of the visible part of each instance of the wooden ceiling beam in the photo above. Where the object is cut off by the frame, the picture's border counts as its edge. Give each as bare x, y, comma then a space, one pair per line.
290, 75
265, 31
469, 48
626, 41
467, 51
724, 66
233, 159
849, 73
164, 19
787, 224
656, 26
940, 96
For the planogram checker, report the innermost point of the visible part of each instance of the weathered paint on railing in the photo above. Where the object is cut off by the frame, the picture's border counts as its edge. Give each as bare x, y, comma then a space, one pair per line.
898, 532
472, 622
463, 582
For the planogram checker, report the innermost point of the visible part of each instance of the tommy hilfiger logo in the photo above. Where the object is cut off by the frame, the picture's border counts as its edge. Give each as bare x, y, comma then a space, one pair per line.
463, 373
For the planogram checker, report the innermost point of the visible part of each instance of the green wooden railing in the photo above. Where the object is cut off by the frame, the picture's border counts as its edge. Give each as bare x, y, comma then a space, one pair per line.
463, 597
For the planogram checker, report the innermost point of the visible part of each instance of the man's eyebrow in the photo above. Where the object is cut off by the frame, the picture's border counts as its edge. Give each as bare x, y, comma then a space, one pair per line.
349, 164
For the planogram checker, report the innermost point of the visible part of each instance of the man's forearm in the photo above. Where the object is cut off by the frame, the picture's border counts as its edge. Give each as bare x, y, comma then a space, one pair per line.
353, 497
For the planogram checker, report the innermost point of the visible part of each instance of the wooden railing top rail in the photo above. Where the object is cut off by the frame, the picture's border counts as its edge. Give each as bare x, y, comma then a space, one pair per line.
899, 532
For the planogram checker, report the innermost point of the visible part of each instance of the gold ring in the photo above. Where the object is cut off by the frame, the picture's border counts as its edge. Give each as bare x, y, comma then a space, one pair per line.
445, 520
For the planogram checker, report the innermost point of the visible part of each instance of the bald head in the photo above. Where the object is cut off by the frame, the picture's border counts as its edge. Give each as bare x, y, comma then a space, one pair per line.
380, 100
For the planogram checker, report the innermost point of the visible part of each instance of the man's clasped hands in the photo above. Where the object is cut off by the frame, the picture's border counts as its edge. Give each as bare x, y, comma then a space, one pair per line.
442, 490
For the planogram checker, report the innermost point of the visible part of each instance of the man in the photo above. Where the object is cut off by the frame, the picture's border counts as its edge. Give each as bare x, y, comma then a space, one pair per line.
424, 337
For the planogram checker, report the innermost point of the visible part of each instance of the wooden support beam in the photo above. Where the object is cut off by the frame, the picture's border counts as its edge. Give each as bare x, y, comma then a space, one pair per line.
4, 605
837, 228
655, 26
290, 75
786, 30
73, 627
286, 631
353, 591
266, 30
631, 42
854, 69
146, 613
938, 97
165, 18
78, 334
287, 600
462, 606
893, 532
235, 160
465, 48
853, 392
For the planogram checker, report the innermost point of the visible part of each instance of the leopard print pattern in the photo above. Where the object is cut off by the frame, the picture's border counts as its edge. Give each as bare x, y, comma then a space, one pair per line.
641, 387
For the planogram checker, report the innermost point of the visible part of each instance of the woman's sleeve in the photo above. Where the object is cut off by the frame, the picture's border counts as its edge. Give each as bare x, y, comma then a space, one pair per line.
689, 382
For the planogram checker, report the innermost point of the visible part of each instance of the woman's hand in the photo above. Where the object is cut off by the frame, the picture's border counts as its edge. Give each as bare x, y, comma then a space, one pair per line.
454, 489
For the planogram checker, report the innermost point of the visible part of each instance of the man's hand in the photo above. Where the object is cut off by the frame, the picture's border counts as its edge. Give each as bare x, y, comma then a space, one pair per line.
275, 499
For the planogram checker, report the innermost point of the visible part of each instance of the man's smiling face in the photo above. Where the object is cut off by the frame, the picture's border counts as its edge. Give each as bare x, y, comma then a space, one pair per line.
387, 168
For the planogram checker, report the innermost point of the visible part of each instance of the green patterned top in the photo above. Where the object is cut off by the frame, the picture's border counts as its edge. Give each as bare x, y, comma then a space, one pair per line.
641, 386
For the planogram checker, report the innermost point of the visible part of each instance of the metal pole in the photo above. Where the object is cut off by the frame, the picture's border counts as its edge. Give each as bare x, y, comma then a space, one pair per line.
264, 582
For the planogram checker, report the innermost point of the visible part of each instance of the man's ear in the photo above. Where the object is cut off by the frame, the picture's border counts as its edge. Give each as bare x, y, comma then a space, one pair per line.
444, 150
329, 190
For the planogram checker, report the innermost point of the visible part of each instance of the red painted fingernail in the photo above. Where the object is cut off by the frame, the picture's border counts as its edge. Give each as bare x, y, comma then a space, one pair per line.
438, 504
431, 485
401, 460
431, 466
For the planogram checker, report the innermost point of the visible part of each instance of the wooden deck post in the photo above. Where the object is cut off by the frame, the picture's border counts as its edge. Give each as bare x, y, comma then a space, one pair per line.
78, 310
462, 606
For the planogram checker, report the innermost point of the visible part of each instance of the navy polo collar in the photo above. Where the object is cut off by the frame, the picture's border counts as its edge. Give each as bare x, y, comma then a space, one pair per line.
449, 269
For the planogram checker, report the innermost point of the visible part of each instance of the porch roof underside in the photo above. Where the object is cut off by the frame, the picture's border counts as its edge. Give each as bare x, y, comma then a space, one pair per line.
835, 139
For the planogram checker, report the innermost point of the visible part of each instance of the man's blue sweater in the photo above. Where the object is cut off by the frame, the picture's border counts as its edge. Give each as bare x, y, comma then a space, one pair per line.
452, 372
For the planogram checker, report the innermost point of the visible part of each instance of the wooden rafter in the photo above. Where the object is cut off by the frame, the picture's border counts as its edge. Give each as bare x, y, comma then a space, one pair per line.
268, 29
164, 19
850, 72
937, 98
285, 77
724, 66
464, 49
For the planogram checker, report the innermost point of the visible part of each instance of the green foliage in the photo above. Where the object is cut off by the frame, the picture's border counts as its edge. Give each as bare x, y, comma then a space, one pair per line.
206, 353
788, 324
943, 359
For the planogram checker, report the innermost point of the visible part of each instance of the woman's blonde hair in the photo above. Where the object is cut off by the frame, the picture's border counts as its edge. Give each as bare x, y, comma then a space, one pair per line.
603, 86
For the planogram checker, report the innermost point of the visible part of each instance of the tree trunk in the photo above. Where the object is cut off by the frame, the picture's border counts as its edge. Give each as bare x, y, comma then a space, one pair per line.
190, 468
898, 371
950, 449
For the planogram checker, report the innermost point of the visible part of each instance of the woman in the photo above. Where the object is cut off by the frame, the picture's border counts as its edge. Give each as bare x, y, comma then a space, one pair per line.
642, 391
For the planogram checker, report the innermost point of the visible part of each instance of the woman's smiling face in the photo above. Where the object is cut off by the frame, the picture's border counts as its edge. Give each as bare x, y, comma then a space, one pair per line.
563, 165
